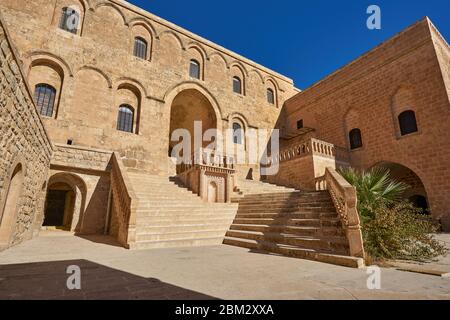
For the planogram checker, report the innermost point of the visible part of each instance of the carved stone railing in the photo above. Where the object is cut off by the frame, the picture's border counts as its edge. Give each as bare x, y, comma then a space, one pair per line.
310, 147
345, 200
209, 174
124, 203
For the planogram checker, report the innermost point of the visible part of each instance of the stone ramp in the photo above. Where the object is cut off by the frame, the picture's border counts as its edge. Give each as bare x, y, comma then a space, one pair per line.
171, 216
296, 224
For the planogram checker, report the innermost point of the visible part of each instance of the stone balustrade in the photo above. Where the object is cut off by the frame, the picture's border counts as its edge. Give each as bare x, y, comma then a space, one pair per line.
345, 200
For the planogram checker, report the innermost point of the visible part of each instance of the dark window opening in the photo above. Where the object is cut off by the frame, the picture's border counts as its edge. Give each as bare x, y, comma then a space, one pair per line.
44, 97
270, 96
408, 123
69, 142
125, 119
140, 48
194, 69
355, 139
300, 124
70, 20
237, 85
237, 133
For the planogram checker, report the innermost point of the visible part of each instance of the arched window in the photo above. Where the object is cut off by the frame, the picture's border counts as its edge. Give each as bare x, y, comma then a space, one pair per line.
194, 69
270, 96
238, 133
408, 123
237, 85
70, 20
44, 97
140, 48
125, 119
355, 139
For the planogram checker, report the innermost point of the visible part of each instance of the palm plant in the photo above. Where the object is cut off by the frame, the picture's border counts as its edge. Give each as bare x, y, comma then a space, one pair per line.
375, 188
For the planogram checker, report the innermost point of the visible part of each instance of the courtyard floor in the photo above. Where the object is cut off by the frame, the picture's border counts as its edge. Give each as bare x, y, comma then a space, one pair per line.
37, 270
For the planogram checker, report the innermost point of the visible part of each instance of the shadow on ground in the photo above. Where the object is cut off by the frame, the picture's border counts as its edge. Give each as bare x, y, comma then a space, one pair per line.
48, 280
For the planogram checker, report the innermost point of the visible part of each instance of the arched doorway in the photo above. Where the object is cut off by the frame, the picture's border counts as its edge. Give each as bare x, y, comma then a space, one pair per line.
65, 202
188, 107
59, 206
9, 213
416, 192
212, 192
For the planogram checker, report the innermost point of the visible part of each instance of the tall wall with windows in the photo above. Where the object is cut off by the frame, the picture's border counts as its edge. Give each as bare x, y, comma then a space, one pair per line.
105, 73
390, 108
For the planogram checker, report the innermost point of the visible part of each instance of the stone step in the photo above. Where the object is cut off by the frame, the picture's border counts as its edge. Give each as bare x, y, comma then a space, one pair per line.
297, 252
287, 210
186, 220
300, 231
171, 227
168, 236
331, 245
178, 243
333, 222
264, 215
145, 210
277, 205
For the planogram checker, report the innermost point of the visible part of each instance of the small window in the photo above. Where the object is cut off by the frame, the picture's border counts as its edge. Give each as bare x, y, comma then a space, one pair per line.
70, 20
237, 85
194, 69
270, 96
44, 97
140, 48
238, 133
125, 119
300, 124
408, 123
355, 139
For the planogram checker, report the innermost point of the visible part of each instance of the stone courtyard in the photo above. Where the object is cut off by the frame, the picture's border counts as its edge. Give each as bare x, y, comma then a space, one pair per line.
37, 270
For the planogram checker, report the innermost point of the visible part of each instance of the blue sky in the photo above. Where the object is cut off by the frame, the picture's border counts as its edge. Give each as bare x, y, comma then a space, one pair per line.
304, 40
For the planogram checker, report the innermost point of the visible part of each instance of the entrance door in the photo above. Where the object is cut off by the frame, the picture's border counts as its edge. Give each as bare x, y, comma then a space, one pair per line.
56, 205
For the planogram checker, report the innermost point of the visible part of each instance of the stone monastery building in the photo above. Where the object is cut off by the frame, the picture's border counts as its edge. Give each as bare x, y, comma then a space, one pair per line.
93, 90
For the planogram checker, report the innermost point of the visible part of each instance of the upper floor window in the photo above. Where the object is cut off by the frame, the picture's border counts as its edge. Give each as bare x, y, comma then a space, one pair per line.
70, 20
270, 96
125, 119
237, 85
140, 48
238, 133
44, 97
355, 139
194, 69
408, 123
300, 124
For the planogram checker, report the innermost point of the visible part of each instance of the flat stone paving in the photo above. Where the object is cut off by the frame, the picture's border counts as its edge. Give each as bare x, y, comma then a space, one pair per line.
37, 270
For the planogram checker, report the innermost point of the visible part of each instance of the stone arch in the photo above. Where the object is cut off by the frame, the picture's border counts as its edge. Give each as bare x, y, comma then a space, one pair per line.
170, 95
127, 93
402, 100
213, 192
236, 70
38, 56
189, 103
116, 8
74, 203
197, 46
411, 177
143, 29
173, 34
44, 71
195, 53
136, 84
271, 84
60, 4
10, 204
259, 74
239, 65
101, 72
216, 53
352, 121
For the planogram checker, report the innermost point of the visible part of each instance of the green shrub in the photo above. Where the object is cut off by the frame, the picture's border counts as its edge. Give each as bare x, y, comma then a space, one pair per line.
392, 228
400, 231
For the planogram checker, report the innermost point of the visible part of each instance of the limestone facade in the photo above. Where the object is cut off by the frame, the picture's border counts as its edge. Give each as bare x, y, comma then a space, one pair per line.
409, 72
25, 151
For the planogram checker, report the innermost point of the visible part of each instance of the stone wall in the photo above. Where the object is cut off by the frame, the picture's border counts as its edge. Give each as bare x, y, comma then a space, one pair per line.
88, 173
407, 72
94, 72
25, 151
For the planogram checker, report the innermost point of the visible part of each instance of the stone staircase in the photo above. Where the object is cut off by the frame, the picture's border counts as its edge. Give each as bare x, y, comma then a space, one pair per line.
248, 187
291, 223
171, 216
